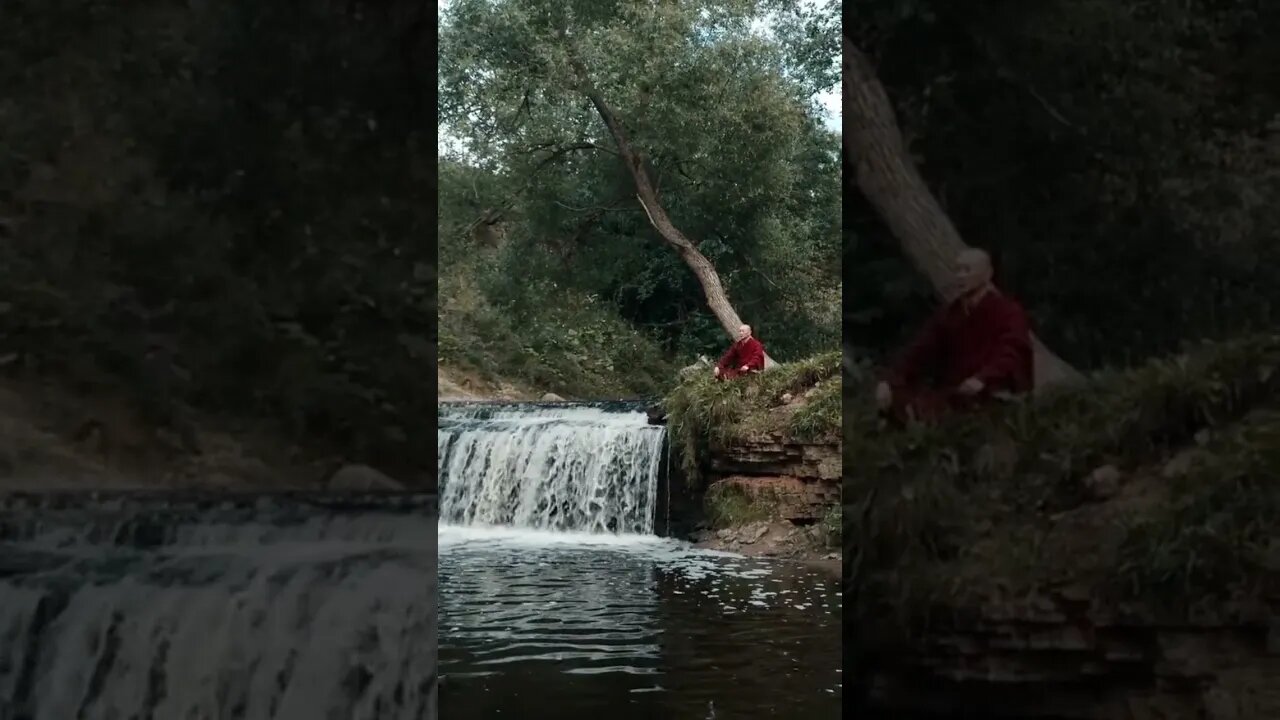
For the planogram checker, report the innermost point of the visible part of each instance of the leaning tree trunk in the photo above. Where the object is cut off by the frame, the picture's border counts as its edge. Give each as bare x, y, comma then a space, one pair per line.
702, 268
889, 179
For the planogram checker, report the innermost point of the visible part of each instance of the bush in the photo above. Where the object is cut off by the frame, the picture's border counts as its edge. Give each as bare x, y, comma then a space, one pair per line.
270, 233
562, 342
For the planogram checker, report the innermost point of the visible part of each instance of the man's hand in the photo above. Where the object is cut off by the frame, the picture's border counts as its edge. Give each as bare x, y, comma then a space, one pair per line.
716, 372
884, 396
745, 368
970, 387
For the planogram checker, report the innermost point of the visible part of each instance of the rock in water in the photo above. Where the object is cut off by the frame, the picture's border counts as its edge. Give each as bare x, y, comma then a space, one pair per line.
362, 477
657, 414
552, 397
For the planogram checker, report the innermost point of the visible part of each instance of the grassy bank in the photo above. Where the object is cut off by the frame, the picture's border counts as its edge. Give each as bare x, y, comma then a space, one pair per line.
552, 339
703, 412
998, 502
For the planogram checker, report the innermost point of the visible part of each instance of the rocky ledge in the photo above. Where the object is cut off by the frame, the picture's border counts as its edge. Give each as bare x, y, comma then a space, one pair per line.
769, 539
1060, 658
773, 498
797, 482
774, 457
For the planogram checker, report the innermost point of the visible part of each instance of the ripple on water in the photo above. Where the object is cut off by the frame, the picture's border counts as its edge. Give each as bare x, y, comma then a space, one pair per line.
632, 625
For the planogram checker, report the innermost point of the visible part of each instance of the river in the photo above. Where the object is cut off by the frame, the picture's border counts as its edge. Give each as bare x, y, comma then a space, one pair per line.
557, 600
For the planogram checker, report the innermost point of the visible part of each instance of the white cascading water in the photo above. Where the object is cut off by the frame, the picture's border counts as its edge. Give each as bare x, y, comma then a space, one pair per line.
256, 609
580, 467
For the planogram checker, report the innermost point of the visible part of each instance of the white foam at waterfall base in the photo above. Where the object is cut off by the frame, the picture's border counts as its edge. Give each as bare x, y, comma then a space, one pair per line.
676, 556
452, 536
567, 468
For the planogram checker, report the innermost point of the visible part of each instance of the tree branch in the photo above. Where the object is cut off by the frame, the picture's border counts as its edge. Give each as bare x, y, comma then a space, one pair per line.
491, 217
590, 209
652, 222
562, 148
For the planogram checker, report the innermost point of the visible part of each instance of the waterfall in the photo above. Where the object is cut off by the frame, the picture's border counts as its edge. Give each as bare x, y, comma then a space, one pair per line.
251, 608
584, 467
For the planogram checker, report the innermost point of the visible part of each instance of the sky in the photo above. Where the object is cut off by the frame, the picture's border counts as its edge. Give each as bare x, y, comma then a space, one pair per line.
829, 99
831, 103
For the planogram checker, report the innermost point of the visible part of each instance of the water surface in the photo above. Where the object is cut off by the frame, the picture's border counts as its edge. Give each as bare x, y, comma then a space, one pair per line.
537, 624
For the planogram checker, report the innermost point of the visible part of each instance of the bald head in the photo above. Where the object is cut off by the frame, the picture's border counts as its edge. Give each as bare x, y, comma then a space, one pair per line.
973, 270
744, 332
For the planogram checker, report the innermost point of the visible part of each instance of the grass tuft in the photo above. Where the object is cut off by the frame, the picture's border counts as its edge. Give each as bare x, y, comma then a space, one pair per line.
702, 412
729, 506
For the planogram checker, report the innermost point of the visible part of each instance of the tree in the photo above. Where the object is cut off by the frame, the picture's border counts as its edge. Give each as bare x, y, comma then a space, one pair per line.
889, 179
647, 195
263, 222
671, 110
1118, 158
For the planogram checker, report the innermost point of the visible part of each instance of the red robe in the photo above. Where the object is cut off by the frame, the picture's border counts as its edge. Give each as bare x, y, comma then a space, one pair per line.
748, 353
990, 341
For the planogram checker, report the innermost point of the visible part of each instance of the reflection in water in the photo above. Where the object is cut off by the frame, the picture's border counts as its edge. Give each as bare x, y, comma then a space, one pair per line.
539, 625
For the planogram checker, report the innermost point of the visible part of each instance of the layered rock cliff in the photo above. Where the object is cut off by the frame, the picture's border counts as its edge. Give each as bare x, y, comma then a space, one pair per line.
760, 448
1055, 656
799, 481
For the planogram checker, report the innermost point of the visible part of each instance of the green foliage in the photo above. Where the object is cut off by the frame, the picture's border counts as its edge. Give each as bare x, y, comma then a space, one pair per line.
819, 417
832, 524
1214, 537
241, 182
720, 112
702, 411
1120, 159
924, 500
559, 340
729, 506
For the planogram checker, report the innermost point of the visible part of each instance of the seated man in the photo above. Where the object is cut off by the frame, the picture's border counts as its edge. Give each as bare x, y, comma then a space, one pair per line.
746, 355
974, 347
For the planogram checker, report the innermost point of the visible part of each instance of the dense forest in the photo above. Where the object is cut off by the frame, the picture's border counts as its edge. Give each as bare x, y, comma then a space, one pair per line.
224, 206
556, 268
1120, 160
